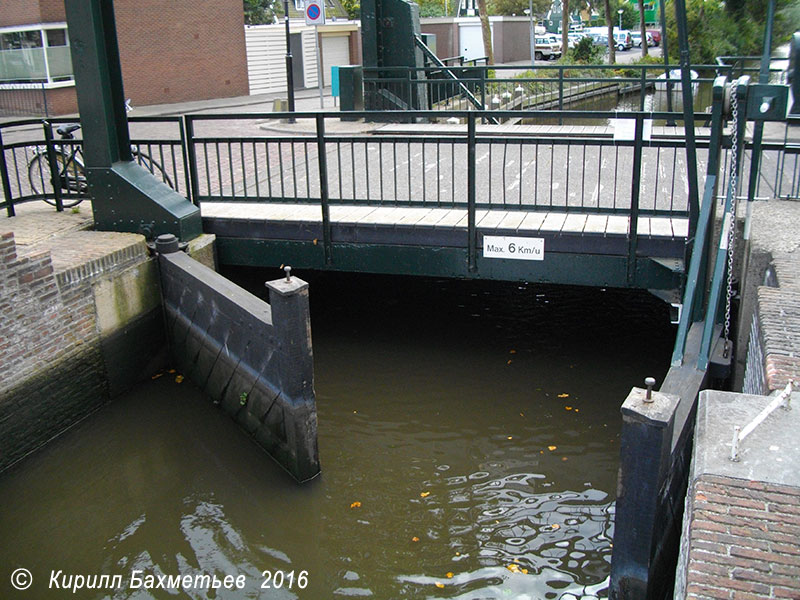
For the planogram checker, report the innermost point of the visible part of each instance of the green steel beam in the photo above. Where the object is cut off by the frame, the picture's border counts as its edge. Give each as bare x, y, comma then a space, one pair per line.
125, 196
561, 268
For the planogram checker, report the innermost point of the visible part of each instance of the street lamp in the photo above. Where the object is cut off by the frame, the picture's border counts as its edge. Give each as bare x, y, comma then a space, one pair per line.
620, 11
532, 31
289, 78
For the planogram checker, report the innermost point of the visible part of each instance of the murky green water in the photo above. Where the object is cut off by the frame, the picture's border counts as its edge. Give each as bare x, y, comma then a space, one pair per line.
468, 434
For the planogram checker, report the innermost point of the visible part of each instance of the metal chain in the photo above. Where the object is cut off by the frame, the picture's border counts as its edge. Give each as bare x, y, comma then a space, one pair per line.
730, 218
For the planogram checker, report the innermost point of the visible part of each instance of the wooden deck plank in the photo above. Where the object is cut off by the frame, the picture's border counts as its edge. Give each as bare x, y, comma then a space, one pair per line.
595, 224
643, 225
410, 216
661, 227
433, 217
554, 221
382, 215
349, 214
532, 221
492, 219
453, 218
617, 225
512, 220
575, 223
680, 228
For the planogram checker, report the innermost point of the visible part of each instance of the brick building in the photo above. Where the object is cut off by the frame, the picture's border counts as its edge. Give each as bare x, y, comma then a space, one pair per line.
171, 51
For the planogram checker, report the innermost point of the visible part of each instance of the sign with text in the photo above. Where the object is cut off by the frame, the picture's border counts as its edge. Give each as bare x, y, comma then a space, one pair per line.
518, 248
315, 12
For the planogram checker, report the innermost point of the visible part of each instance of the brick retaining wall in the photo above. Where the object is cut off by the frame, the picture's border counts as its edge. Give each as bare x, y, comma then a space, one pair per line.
55, 344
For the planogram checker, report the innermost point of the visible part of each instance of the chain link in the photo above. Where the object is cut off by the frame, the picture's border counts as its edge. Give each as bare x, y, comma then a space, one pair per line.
730, 218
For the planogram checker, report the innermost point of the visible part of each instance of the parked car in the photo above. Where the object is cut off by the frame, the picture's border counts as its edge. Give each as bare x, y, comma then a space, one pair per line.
656, 35
623, 40
636, 38
545, 49
598, 39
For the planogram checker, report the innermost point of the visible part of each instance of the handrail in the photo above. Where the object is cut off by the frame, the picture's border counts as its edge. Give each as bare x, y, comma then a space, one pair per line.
435, 59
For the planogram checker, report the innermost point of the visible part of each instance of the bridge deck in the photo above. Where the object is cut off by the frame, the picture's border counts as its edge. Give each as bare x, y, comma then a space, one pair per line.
564, 232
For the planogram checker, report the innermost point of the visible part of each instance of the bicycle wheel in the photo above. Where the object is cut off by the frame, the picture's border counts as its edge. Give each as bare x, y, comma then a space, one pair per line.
152, 165
71, 177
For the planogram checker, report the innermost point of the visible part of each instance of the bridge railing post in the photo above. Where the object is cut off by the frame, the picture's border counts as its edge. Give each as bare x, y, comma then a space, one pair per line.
5, 180
186, 161
322, 157
191, 153
52, 162
633, 229
560, 93
472, 233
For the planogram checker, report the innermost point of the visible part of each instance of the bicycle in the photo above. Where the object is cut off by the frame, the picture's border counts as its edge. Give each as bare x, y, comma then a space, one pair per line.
71, 173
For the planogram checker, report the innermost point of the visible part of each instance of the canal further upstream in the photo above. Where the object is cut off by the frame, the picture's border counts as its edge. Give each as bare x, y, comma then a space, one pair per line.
469, 440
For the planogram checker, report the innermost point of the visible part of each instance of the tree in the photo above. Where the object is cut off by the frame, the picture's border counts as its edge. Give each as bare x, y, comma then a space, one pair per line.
259, 12
486, 29
564, 27
642, 28
353, 8
612, 56
517, 7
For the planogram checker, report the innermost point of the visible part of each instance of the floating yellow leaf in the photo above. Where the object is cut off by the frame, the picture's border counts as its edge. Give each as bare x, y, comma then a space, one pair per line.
449, 575
171, 371
439, 585
510, 437
551, 448
424, 494
521, 414
524, 571
415, 539
556, 526
567, 408
514, 568
576, 410
178, 378
356, 504
156, 376
315, 241
563, 395
509, 361
564, 458
512, 351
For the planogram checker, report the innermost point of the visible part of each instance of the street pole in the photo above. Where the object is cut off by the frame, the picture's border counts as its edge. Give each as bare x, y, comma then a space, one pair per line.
620, 11
289, 76
532, 30
665, 54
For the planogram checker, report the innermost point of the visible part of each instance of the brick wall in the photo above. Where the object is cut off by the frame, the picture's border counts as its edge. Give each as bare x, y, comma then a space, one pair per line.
19, 12
745, 540
169, 51
52, 348
181, 50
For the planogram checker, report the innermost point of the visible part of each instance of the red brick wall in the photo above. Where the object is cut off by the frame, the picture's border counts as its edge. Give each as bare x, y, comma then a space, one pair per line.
171, 51
181, 50
19, 12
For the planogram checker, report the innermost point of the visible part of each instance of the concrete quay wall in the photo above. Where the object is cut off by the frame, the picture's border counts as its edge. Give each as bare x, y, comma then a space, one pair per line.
71, 337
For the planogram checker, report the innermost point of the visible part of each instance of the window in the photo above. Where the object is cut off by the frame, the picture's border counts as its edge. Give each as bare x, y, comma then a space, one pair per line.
35, 54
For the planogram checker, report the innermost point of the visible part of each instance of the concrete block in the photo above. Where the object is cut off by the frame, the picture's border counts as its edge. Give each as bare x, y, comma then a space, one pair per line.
126, 296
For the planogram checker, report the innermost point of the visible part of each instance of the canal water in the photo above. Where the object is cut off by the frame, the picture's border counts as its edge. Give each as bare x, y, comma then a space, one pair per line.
469, 440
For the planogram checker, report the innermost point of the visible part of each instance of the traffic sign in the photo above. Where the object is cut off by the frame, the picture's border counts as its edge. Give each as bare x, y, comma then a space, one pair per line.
315, 12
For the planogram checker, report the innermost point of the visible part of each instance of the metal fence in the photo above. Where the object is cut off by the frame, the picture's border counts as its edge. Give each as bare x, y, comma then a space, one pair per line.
23, 100
439, 166
538, 87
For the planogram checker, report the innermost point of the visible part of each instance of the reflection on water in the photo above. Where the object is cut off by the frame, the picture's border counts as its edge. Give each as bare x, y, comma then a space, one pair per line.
469, 438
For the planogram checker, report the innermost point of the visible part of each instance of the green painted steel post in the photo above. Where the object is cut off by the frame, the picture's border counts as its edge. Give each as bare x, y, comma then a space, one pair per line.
688, 114
52, 162
758, 128
483, 91
185, 156
191, 157
472, 233
665, 54
633, 228
6, 183
560, 93
720, 266
642, 83
323, 189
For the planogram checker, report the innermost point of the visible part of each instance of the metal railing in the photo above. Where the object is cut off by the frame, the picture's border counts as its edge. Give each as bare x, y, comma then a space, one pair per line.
539, 87
23, 100
540, 168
